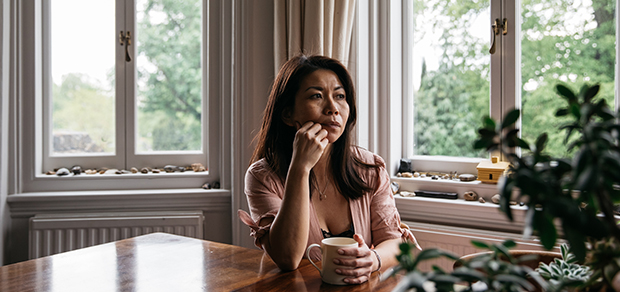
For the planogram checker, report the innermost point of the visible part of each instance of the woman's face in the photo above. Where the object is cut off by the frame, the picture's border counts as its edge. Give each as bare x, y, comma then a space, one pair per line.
321, 99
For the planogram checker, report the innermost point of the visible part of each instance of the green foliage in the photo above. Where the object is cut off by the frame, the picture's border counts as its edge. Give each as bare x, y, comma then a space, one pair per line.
169, 40
455, 95
79, 105
558, 44
495, 270
169, 84
564, 272
574, 191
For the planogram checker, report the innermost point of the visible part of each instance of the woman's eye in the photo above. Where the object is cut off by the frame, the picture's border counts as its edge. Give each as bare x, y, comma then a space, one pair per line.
340, 96
316, 95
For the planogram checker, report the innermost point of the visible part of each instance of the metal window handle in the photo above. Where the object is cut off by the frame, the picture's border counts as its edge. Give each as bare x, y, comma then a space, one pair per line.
125, 40
495, 31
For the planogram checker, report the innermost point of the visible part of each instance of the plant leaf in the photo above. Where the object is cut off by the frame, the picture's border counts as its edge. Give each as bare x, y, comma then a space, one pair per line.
546, 229
510, 118
480, 244
561, 112
575, 110
541, 141
591, 92
565, 92
488, 123
516, 280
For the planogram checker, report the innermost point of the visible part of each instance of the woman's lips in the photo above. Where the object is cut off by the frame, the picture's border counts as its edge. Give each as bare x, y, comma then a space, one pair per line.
334, 125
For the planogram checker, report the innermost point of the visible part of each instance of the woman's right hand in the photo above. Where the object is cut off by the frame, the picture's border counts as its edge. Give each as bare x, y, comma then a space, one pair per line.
309, 144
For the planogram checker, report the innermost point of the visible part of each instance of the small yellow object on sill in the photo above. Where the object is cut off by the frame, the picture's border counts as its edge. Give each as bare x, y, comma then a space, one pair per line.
490, 171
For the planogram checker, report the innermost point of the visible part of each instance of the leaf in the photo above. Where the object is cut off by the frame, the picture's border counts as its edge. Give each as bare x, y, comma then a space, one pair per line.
546, 229
411, 280
576, 241
445, 279
510, 118
480, 244
505, 196
488, 123
484, 132
591, 92
522, 144
565, 92
541, 141
432, 253
561, 112
575, 111
509, 243
516, 280
586, 180
468, 274
482, 143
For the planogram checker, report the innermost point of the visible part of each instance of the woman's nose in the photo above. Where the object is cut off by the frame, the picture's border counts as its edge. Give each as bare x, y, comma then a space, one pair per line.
331, 108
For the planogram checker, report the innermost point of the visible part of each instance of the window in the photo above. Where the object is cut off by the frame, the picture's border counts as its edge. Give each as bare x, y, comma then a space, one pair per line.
425, 77
573, 42
125, 85
451, 69
458, 63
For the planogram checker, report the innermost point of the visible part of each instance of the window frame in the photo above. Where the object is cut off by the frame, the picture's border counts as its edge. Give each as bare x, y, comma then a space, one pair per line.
382, 45
30, 110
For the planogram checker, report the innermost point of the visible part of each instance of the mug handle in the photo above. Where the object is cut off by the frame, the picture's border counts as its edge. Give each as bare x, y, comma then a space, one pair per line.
310, 259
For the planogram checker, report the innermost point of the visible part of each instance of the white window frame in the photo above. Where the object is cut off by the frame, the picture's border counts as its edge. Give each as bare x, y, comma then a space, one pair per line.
31, 110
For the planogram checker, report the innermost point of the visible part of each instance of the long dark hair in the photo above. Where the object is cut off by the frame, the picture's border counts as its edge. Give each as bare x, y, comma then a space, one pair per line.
275, 139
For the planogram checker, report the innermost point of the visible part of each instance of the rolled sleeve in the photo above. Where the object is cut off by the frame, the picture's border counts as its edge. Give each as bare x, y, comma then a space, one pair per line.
262, 190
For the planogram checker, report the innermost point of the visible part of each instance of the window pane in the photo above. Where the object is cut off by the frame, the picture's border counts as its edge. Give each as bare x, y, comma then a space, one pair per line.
168, 104
82, 66
570, 42
451, 69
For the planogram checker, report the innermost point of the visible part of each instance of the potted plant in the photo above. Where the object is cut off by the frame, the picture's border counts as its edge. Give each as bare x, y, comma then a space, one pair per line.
578, 193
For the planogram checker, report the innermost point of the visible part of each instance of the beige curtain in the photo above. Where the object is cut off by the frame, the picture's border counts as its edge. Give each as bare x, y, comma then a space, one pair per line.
322, 27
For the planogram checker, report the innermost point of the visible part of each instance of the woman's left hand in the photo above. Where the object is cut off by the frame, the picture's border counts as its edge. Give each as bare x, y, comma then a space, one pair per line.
358, 268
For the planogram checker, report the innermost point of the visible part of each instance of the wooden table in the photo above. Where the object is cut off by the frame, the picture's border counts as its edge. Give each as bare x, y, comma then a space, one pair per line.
165, 262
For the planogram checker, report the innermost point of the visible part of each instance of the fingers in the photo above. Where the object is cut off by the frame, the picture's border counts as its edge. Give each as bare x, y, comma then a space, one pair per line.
357, 264
359, 239
309, 144
312, 130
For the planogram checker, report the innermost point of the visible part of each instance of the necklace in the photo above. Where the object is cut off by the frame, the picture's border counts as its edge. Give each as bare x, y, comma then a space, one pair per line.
322, 194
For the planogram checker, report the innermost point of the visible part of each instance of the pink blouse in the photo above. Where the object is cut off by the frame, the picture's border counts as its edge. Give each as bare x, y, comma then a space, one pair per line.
374, 216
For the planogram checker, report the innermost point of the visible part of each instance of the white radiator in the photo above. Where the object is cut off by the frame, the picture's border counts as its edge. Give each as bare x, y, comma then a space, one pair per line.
458, 241
55, 233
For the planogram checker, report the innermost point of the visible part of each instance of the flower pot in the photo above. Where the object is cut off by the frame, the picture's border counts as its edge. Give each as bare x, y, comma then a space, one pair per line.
539, 256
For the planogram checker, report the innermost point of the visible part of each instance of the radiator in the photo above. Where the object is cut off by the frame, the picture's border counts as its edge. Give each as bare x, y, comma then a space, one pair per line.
458, 241
54, 233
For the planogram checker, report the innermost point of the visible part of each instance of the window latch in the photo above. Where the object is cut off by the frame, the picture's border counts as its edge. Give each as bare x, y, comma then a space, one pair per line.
125, 40
495, 31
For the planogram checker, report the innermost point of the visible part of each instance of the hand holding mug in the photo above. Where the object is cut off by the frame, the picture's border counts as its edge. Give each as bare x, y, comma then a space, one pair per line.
355, 262
330, 248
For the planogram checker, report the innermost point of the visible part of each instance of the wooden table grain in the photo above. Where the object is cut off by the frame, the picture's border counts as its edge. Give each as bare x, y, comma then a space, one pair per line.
166, 262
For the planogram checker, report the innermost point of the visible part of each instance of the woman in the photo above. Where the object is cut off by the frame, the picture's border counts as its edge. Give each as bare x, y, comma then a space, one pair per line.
307, 181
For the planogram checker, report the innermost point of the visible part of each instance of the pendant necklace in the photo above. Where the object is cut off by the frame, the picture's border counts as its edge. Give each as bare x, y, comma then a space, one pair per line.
322, 194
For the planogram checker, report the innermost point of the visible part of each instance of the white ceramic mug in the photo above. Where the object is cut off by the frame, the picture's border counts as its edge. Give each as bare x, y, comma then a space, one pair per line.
329, 251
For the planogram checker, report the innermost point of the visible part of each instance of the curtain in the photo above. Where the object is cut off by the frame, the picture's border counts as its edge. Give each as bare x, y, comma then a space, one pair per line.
313, 27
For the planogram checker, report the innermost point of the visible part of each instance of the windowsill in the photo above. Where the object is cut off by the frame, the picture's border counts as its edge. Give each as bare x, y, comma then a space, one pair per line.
138, 175
118, 182
29, 204
460, 213
471, 214
445, 163
443, 185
